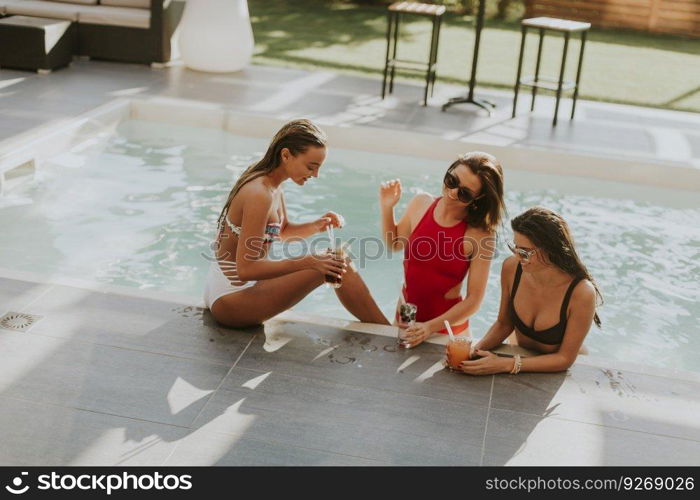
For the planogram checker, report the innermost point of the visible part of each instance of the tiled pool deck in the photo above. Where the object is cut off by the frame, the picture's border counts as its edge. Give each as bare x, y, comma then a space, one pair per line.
111, 379
107, 379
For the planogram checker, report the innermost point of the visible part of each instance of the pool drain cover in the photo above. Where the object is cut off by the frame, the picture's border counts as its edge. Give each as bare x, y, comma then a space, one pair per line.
18, 322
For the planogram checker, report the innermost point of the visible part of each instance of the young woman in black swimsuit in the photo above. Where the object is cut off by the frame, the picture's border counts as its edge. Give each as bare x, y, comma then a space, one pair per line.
548, 299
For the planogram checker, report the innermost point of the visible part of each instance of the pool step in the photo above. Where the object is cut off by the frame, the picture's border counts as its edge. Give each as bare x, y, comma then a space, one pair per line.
17, 175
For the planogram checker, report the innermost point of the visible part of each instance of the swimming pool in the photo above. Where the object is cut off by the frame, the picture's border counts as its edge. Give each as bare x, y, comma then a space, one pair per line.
138, 209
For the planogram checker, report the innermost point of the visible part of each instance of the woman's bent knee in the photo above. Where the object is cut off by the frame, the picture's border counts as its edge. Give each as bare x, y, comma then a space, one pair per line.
223, 315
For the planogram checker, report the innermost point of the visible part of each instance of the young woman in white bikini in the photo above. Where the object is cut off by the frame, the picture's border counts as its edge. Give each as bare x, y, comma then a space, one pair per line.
243, 287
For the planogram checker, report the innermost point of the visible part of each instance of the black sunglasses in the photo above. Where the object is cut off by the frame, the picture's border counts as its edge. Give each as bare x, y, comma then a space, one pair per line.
463, 194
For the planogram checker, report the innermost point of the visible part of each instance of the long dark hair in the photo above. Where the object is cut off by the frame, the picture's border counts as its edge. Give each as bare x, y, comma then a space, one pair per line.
297, 136
548, 231
487, 211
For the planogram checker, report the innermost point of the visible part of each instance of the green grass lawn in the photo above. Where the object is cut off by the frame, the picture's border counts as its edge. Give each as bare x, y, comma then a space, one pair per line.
624, 67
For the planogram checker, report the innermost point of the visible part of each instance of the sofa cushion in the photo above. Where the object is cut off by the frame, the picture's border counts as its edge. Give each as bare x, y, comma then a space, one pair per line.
4, 4
82, 2
44, 8
114, 16
53, 29
141, 4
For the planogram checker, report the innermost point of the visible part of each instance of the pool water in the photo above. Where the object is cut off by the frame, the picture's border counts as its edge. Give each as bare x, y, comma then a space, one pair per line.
139, 209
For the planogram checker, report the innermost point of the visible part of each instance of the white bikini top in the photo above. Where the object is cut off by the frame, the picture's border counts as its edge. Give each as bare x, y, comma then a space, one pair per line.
272, 230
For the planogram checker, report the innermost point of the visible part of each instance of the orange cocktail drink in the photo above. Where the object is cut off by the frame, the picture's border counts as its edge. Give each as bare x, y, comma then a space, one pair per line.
458, 350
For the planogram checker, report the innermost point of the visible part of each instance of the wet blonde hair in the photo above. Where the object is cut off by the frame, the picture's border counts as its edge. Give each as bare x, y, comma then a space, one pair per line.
297, 136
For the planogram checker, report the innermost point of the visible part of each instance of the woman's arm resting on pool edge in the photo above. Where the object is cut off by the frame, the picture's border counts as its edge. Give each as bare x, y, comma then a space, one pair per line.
577, 326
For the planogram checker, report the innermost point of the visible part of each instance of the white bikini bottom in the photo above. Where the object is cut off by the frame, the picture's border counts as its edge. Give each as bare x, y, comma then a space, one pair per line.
222, 279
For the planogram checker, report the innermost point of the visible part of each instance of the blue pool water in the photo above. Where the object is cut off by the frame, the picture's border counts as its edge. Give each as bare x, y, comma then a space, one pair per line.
139, 210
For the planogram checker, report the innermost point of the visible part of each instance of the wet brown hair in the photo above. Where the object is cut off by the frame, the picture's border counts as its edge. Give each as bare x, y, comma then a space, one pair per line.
487, 211
297, 136
549, 232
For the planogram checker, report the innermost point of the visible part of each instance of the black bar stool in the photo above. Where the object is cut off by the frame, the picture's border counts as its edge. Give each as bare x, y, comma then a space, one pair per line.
537, 82
434, 12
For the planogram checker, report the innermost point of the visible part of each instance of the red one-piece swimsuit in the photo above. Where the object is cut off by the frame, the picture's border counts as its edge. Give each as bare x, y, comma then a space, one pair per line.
433, 264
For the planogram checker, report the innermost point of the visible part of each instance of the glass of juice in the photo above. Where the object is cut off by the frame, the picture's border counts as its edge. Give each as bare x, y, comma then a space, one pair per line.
407, 317
333, 281
458, 350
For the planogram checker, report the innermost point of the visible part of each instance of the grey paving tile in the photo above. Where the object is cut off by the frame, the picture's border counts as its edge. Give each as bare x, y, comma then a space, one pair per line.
312, 104
588, 136
133, 322
361, 360
694, 143
107, 379
609, 397
394, 427
631, 116
15, 295
515, 438
352, 85
36, 434
209, 448
337, 401
359, 439
216, 91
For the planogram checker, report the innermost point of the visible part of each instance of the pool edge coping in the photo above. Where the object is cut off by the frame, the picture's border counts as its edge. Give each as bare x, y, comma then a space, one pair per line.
71, 132
302, 317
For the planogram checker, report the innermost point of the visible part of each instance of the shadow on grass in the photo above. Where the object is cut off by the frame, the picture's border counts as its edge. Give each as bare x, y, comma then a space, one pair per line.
288, 25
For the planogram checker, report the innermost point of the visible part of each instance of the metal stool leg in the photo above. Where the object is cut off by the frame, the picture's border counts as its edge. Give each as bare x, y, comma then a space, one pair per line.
537, 70
397, 19
431, 55
578, 73
437, 45
561, 77
520, 69
389, 25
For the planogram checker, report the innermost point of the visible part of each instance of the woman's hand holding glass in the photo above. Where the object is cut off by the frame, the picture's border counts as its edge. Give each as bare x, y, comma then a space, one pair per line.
488, 364
327, 263
416, 334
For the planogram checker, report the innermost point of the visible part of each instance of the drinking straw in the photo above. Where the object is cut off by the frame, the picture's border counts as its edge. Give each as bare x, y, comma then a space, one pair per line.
329, 230
449, 331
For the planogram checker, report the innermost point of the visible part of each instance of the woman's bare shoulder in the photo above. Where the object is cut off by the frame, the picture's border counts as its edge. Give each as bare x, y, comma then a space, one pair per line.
508, 269
584, 292
420, 202
255, 192
509, 265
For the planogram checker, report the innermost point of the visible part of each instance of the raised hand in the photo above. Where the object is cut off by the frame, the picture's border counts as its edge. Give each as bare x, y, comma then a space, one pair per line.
389, 193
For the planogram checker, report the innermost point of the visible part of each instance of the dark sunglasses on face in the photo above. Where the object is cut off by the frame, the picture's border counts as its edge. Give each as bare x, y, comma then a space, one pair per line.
463, 194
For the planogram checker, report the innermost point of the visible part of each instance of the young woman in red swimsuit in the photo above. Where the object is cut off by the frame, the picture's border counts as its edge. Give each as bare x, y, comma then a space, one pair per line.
548, 299
446, 239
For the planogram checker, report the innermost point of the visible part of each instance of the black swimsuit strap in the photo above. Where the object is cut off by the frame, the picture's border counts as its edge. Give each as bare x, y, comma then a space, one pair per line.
567, 297
516, 282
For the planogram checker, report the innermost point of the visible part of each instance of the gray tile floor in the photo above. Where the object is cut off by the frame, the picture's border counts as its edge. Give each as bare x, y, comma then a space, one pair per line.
164, 385
28, 100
